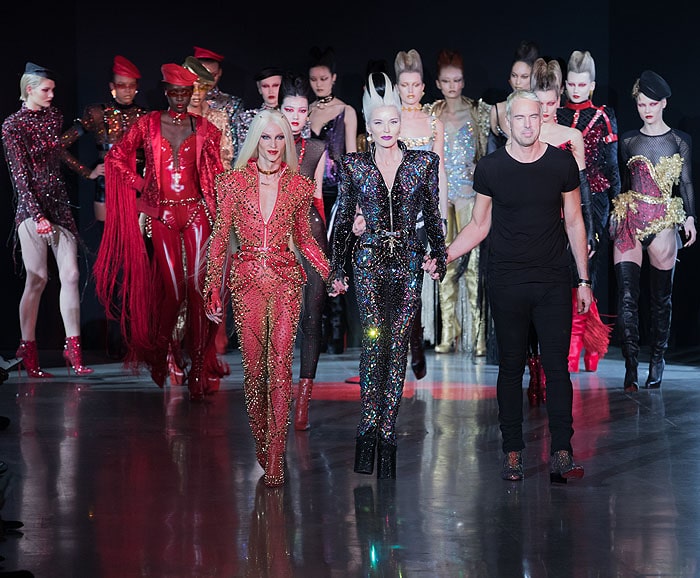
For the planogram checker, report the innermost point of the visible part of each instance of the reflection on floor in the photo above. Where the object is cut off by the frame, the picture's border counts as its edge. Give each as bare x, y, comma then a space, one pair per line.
113, 477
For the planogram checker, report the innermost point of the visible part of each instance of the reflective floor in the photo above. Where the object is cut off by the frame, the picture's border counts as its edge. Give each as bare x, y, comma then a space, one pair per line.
113, 477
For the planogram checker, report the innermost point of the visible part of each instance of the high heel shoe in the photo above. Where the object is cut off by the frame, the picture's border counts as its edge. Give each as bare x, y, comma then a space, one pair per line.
30, 359
301, 416
563, 468
364, 452
72, 353
386, 461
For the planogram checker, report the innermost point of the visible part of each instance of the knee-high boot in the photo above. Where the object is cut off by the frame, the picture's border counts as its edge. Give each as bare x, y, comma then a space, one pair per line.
627, 274
661, 287
416, 342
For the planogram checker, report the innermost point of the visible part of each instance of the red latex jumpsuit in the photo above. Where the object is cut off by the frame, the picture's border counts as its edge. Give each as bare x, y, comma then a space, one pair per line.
265, 282
177, 197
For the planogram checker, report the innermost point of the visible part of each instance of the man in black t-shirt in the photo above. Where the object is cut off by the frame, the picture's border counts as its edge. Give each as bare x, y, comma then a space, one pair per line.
522, 191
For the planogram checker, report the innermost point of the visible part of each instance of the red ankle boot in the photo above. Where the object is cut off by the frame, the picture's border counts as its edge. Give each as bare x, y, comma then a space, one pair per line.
73, 355
30, 359
301, 417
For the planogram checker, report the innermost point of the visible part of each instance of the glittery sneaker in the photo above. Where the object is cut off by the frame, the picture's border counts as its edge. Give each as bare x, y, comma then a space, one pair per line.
563, 468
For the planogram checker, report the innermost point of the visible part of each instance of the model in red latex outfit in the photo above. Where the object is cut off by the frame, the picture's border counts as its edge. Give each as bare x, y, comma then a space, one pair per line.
267, 202
34, 151
178, 200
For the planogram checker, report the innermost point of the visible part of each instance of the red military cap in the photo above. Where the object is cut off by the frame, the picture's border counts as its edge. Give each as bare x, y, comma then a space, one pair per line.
208, 54
124, 67
177, 75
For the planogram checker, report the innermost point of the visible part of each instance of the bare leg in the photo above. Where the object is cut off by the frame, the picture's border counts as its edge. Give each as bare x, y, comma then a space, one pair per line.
65, 250
34, 255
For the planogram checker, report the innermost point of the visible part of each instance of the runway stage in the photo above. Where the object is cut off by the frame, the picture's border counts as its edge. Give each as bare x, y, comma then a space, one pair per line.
113, 477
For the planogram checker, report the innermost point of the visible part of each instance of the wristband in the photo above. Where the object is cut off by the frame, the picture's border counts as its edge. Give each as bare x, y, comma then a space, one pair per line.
584, 283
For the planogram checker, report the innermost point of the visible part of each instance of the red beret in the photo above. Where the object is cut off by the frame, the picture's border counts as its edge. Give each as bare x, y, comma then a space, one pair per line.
124, 67
178, 75
204, 53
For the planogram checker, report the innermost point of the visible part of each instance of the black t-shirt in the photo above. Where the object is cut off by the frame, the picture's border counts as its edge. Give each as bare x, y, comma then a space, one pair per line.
527, 240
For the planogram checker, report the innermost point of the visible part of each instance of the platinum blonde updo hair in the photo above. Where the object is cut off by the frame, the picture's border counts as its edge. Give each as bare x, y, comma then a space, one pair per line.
408, 62
379, 91
582, 62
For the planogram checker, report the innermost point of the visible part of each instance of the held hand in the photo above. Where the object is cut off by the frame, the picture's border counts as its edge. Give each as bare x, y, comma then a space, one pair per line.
584, 298
690, 233
338, 287
98, 171
359, 225
430, 267
214, 309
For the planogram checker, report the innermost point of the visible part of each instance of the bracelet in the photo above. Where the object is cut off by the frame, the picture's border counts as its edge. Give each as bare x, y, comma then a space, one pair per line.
584, 283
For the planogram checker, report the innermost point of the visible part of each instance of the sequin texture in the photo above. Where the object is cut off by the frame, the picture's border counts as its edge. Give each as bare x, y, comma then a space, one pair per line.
265, 283
387, 270
34, 153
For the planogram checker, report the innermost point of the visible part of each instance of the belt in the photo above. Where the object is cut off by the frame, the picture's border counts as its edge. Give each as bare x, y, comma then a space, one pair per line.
178, 202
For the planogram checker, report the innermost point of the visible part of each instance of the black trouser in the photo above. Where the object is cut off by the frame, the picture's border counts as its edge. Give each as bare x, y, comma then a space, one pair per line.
548, 306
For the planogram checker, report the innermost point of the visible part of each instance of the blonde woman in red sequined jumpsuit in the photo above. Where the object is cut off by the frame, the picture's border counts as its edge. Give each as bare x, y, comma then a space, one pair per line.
266, 202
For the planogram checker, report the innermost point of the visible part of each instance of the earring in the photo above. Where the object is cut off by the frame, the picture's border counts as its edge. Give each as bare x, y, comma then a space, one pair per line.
113, 93
369, 137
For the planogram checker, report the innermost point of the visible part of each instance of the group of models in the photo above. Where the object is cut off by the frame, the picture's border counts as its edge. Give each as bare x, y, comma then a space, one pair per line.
207, 204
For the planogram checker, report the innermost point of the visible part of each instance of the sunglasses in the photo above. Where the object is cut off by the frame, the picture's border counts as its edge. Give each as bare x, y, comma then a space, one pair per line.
175, 92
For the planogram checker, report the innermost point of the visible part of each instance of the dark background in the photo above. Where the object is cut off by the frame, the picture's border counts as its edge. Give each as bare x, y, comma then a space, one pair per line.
79, 40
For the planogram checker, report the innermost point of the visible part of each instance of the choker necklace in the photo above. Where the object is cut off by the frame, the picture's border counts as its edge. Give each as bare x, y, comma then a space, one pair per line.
411, 108
177, 117
324, 100
262, 172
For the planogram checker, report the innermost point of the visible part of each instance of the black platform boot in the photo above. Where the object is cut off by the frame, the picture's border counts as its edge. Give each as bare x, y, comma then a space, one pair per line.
365, 446
661, 287
627, 274
416, 343
386, 461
